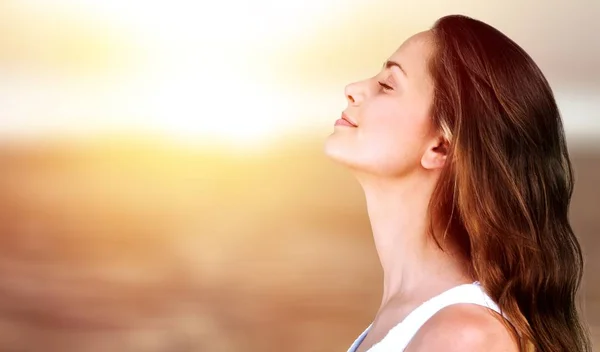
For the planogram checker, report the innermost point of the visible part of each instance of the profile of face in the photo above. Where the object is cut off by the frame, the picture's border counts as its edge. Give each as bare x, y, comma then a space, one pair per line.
390, 131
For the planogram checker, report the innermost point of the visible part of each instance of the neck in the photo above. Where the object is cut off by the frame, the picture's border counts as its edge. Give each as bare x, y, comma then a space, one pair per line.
412, 263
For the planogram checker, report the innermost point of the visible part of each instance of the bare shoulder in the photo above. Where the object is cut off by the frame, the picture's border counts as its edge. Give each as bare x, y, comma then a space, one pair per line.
464, 327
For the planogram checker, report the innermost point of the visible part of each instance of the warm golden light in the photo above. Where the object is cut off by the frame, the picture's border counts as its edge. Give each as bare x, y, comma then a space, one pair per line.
194, 71
164, 186
232, 109
235, 71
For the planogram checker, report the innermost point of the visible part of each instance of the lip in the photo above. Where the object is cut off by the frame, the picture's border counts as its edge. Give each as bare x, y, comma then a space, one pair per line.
345, 118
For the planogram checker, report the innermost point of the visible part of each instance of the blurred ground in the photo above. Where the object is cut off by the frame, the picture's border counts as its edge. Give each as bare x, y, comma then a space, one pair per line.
149, 247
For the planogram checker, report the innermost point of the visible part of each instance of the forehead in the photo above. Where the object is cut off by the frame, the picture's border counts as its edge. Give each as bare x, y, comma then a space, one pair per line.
414, 55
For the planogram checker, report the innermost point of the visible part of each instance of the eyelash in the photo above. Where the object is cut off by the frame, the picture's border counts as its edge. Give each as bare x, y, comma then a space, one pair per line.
385, 86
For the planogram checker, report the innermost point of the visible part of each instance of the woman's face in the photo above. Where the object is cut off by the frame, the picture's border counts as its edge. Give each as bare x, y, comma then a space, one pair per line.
391, 114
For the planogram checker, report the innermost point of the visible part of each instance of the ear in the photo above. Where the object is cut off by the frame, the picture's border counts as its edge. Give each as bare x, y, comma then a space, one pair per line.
435, 154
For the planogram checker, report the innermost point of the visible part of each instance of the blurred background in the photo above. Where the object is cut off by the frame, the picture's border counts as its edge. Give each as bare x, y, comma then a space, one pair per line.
162, 184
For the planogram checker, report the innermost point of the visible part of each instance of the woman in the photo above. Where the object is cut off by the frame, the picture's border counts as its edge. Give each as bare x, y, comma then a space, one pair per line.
459, 147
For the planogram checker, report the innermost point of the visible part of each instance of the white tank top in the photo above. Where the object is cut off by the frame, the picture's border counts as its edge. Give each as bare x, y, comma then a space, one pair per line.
400, 335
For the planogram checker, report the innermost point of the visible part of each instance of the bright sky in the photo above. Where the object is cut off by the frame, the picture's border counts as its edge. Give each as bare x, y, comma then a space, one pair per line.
186, 68
241, 71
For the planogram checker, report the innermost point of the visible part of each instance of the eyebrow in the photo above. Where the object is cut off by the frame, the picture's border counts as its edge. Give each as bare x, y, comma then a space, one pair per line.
390, 63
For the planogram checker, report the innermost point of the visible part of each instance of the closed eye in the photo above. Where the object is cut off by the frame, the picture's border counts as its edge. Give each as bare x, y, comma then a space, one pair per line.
385, 86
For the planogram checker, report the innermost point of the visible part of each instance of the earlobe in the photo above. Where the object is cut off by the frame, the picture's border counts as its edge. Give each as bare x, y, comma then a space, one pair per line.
435, 156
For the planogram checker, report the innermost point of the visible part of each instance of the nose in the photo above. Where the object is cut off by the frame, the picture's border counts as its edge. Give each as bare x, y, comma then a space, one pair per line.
353, 94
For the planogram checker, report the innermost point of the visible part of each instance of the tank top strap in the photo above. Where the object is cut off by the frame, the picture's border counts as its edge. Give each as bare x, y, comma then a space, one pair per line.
399, 336
360, 339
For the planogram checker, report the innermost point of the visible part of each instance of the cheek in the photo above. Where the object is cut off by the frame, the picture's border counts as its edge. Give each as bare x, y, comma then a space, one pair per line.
392, 137
395, 124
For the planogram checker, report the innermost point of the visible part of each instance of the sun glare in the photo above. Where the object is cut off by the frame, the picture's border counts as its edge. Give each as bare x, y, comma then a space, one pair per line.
208, 74
232, 110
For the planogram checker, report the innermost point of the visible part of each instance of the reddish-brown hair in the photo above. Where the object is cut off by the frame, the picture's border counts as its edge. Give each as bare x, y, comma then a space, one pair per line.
505, 192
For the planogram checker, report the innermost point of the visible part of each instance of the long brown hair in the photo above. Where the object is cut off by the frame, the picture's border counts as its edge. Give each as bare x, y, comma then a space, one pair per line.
504, 195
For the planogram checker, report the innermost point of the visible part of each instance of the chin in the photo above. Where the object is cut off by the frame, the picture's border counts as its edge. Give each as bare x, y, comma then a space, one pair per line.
334, 148
344, 153
340, 152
